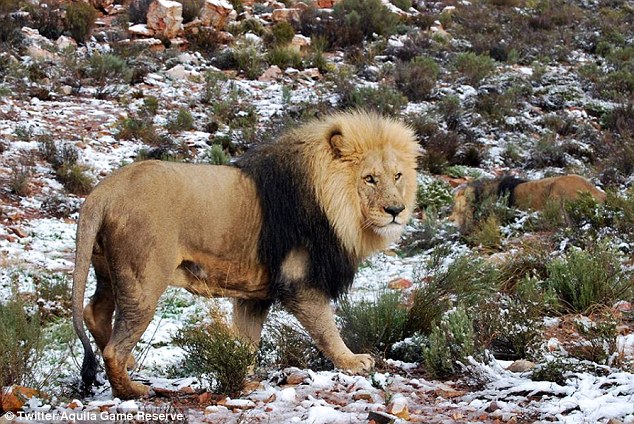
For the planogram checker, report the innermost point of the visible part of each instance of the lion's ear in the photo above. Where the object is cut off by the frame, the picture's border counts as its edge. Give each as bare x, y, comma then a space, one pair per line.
336, 142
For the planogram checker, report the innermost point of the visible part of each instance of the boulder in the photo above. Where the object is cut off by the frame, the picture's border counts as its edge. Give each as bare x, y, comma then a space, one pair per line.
285, 15
101, 4
217, 14
165, 18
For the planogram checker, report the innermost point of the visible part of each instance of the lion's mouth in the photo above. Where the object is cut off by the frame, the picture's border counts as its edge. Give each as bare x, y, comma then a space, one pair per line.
389, 230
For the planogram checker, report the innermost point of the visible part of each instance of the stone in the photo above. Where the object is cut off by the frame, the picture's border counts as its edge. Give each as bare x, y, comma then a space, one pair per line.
101, 4
272, 74
14, 397
140, 30
165, 18
297, 377
285, 15
521, 365
400, 283
398, 407
64, 42
376, 417
363, 395
217, 13
242, 404
300, 42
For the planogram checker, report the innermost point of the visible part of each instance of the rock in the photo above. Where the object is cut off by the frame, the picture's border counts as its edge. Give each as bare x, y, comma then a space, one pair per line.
398, 407
38, 53
75, 404
521, 365
363, 395
400, 283
272, 74
242, 404
217, 13
64, 42
447, 392
285, 15
326, 4
18, 232
165, 18
101, 4
297, 377
153, 44
14, 397
300, 42
310, 73
140, 30
179, 73
375, 417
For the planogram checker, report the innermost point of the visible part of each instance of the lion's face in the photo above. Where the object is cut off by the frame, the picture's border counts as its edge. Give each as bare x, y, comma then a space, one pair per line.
382, 184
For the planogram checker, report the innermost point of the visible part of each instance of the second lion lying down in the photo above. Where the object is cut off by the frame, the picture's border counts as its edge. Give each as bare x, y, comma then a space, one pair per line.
522, 194
290, 224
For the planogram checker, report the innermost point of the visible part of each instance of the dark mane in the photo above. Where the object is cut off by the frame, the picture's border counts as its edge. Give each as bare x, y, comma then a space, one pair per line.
293, 219
506, 187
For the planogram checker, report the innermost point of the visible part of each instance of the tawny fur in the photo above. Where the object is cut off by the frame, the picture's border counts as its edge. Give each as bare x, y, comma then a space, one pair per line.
154, 224
528, 195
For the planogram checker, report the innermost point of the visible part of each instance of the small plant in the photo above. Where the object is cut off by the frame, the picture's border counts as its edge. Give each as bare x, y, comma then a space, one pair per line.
20, 178
473, 68
108, 71
599, 338
205, 41
80, 19
373, 325
183, 121
282, 33
22, 343
357, 20
48, 19
135, 128
450, 342
435, 194
487, 234
75, 179
284, 57
191, 9
216, 354
150, 105
216, 155
585, 278
138, 11
417, 78
249, 60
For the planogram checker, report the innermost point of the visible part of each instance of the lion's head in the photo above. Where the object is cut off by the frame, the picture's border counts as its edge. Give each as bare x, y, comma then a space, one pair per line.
364, 173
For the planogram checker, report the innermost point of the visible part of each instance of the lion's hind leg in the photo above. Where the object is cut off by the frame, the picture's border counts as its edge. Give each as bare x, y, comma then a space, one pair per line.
312, 309
136, 306
249, 317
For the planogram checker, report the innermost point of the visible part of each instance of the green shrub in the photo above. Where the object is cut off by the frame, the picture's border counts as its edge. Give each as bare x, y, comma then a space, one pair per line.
287, 344
108, 71
487, 234
191, 9
216, 355
249, 60
473, 68
80, 20
451, 341
205, 41
417, 79
435, 194
356, 20
150, 105
373, 325
182, 121
75, 179
135, 128
282, 33
383, 99
586, 278
20, 179
48, 19
138, 11
284, 57
402, 4
217, 156
22, 343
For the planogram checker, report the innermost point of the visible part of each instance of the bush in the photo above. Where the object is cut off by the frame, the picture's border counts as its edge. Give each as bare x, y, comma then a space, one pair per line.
136, 128
217, 156
282, 33
586, 278
48, 19
80, 20
249, 60
20, 178
451, 341
108, 71
434, 195
191, 9
357, 20
373, 325
417, 79
21, 345
487, 234
138, 11
75, 179
205, 41
183, 121
216, 354
284, 57
472, 67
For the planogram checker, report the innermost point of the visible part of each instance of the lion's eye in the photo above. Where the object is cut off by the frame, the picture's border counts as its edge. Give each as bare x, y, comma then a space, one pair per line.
397, 176
369, 179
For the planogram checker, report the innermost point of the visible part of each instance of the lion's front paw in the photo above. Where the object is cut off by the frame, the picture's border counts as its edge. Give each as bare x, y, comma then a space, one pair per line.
356, 364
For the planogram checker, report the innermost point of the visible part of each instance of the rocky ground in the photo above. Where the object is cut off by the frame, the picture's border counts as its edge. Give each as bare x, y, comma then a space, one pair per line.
531, 116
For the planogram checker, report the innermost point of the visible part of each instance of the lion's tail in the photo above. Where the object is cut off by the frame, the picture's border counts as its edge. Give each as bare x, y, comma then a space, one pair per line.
88, 226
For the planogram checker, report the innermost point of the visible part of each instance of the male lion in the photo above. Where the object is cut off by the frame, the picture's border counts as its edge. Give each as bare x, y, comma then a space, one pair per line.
526, 195
289, 224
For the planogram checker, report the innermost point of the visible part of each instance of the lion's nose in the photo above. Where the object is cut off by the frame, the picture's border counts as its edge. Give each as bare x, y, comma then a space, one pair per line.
394, 210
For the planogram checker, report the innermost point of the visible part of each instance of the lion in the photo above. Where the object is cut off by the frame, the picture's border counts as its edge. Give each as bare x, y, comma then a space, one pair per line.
520, 193
288, 223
